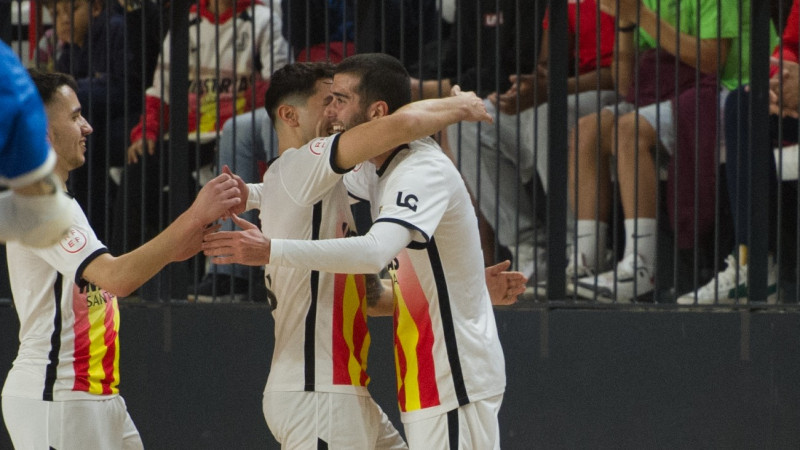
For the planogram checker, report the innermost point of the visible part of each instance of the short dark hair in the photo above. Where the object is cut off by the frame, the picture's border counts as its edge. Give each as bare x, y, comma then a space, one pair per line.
381, 77
297, 79
47, 83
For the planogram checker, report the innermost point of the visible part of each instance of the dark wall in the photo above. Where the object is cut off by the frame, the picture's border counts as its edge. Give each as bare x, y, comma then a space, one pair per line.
193, 377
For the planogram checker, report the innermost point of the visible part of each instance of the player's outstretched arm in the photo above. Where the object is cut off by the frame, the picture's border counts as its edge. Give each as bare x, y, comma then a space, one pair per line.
413, 121
504, 287
182, 239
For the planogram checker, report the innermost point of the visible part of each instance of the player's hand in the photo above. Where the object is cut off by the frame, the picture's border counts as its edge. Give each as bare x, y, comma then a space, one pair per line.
137, 149
472, 105
504, 287
216, 199
192, 242
249, 246
244, 191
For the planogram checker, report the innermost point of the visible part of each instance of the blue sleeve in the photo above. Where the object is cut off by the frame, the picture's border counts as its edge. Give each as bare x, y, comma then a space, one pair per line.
23, 125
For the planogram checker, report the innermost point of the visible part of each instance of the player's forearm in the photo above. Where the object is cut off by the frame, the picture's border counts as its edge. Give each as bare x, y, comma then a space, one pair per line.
360, 254
413, 121
124, 274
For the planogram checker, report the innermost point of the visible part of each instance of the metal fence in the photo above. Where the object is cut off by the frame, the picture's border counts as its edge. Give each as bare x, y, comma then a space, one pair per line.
577, 170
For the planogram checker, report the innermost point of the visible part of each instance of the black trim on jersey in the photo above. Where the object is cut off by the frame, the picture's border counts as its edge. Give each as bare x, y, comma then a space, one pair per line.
448, 327
79, 281
51, 371
334, 152
311, 316
356, 197
414, 245
452, 428
386, 163
321, 445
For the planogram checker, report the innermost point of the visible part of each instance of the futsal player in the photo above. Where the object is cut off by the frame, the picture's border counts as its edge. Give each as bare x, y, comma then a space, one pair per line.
62, 391
316, 391
450, 366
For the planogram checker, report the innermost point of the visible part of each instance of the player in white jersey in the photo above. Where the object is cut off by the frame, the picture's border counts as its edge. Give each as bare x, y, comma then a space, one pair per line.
321, 337
449, 360
34, 211
62, 391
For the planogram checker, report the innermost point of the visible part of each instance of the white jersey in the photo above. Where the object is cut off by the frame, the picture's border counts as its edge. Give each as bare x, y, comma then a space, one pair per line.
321, 335
69, 329
232, 56
447, 352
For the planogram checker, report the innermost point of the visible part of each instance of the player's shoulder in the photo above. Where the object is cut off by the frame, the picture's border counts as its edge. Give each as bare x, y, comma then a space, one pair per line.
426, 152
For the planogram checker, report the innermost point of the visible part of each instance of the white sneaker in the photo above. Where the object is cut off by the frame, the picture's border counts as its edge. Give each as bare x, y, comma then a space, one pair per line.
633, 279
575, 270
730, 285
531, 260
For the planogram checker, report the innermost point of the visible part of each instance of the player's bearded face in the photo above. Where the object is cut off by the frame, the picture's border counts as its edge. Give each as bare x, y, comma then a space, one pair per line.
346, 108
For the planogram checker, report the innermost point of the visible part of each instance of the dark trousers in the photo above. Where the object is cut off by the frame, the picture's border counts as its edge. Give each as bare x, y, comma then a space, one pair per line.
740, 154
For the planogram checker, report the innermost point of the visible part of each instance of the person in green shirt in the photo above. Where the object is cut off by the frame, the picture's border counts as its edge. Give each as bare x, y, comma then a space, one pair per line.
696, 59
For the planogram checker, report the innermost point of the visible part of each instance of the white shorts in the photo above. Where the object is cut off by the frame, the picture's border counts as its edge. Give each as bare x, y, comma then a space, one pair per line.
73, 424
304, 420
473, 426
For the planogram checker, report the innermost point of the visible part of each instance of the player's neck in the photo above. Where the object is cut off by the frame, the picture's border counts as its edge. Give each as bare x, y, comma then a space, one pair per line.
380, 159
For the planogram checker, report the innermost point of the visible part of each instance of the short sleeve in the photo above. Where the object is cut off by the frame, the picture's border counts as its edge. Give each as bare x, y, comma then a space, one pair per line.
308, 173
416, 196
358, 181
76, 250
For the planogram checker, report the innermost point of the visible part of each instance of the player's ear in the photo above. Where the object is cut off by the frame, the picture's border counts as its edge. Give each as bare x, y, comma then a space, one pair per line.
288, 114
378, 109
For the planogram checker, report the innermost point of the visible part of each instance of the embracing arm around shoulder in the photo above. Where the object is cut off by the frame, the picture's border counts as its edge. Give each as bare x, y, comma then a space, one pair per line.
413, 121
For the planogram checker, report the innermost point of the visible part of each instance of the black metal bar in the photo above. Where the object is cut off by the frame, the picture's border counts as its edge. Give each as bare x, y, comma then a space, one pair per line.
558, 60
759, 142
179, 130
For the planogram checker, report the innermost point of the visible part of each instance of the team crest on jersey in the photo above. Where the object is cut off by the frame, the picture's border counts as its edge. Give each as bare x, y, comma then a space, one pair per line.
75, 241
317, 147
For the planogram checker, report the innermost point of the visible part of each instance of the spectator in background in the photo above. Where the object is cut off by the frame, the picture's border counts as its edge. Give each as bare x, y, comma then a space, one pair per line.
482, 148
640, 117
731, 283
474, 67
227, 29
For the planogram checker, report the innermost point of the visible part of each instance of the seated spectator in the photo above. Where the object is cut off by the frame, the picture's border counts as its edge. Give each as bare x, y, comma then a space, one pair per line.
731, 284
320, 30
483, 148
91, 47
217, 28
469, 58
636, 137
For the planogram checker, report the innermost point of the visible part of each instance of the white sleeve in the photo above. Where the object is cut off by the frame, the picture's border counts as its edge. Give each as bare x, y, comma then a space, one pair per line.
416, 196
308, 173
360, 254
254, 192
